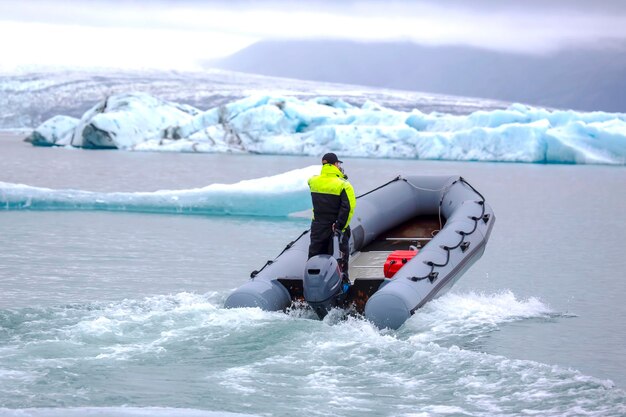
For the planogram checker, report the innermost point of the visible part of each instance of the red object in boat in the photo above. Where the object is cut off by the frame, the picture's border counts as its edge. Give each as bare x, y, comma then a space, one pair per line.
396, 260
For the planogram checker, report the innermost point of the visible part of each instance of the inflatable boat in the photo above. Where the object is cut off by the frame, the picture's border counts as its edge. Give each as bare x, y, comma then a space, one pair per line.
412, 239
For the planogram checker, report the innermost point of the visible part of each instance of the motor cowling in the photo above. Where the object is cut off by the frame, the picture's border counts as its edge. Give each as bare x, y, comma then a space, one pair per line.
322, 285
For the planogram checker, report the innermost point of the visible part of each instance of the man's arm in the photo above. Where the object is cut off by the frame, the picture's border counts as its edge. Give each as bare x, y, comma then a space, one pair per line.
346, 208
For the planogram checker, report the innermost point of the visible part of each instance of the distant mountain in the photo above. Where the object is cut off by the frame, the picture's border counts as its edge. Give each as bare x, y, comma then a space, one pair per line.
579, 79
28, 98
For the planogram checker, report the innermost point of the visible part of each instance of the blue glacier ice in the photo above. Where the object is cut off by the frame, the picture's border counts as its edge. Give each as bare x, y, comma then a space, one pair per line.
291, 126
274, 196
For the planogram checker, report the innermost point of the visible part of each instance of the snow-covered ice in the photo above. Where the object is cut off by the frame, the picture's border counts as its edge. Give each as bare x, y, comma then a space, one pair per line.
290, 126
55, 131
124, 120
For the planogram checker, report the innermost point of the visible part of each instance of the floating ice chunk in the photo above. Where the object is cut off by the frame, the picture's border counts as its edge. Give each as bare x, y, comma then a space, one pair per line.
55, 131
602, 142
275, 196
197, 123
124, 120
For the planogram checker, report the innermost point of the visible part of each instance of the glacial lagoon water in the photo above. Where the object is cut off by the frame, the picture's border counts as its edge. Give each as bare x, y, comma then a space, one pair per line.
109, 313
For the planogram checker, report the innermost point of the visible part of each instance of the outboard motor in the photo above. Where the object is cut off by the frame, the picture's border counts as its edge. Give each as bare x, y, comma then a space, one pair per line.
322, 283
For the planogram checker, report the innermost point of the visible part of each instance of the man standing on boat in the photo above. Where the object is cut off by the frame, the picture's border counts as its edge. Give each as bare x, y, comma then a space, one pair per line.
333, 206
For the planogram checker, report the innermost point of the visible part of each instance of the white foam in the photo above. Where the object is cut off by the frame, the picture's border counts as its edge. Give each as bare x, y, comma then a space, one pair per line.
445, 409
140, 328
334, 366
464, 314
115, 412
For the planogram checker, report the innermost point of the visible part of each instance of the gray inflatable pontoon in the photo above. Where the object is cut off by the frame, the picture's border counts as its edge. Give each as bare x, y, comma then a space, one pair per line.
412, 239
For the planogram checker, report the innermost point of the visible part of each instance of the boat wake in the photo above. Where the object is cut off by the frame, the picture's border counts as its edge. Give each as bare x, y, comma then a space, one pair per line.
471, 314
247, 355
116, 412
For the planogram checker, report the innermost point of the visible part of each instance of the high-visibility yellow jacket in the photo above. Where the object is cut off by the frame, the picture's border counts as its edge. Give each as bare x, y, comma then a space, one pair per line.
333, 197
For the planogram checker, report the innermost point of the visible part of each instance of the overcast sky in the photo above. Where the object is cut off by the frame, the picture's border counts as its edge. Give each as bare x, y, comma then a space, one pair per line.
179, 34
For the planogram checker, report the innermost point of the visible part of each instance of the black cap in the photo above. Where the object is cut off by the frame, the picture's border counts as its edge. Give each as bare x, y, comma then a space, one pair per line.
330, 158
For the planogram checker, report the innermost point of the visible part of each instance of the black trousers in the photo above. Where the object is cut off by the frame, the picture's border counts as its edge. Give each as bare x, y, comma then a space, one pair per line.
322, 242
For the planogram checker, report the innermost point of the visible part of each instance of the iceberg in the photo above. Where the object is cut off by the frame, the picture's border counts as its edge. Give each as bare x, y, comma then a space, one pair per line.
55, 131
273, 196
290, 126
124, 120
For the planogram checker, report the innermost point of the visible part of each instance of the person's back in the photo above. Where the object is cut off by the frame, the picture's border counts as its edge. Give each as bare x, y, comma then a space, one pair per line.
333, 206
